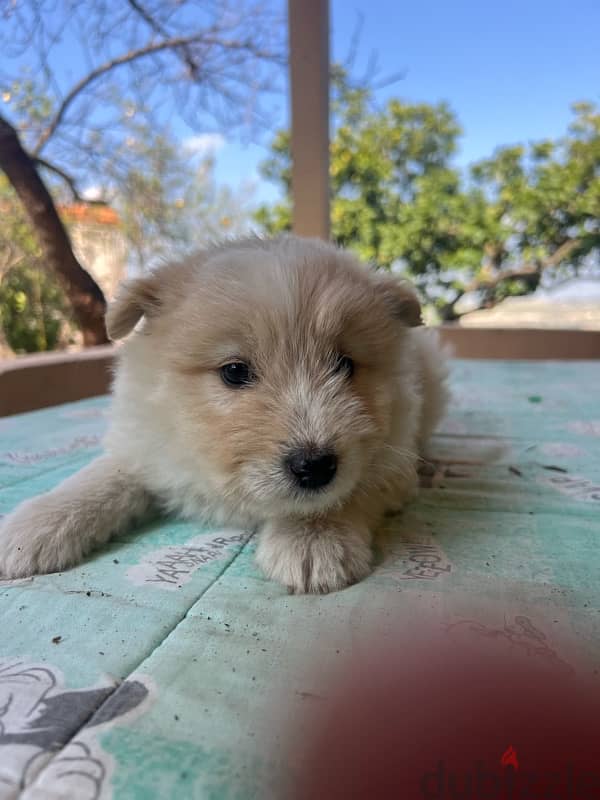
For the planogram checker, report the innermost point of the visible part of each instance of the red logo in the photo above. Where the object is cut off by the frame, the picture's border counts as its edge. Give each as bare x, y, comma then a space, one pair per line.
509, 758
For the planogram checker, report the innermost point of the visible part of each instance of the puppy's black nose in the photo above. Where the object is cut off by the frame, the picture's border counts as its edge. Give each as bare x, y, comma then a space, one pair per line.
312, 469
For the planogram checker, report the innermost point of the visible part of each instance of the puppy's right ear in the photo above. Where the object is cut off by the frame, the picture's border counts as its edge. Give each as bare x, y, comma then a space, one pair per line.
135, 298
401, 299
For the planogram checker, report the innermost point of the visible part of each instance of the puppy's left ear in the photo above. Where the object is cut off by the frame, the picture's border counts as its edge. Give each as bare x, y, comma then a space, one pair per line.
135, 298
401, 299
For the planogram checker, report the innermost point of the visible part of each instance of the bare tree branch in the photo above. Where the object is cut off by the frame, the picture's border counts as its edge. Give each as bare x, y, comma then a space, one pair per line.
69, 180
158, 28
562, 252
140, 63
526, 271
134, 55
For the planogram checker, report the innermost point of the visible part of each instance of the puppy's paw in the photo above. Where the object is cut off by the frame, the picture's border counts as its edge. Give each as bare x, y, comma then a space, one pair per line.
315, 557
37, 538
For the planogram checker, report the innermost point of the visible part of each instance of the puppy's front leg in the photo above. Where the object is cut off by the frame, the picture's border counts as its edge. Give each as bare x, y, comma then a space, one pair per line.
56, 530
316, 554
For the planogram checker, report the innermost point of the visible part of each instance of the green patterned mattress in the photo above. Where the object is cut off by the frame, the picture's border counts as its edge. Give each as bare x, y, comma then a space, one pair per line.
166, 666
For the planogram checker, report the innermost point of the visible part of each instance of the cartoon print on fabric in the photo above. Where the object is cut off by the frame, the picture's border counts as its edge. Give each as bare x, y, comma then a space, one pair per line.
47, 733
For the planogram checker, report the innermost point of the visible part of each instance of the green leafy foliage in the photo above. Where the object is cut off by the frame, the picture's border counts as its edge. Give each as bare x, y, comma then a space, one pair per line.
33, 307
399, 201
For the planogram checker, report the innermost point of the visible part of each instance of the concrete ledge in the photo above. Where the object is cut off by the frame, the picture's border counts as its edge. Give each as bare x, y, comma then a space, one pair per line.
38, 381
521, 343
48, 379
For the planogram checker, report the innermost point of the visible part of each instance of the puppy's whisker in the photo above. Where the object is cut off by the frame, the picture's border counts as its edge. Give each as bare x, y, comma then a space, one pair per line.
403, 451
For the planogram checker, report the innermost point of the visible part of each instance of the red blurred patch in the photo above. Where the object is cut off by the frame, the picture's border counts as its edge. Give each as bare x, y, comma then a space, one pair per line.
428, 717
509, 758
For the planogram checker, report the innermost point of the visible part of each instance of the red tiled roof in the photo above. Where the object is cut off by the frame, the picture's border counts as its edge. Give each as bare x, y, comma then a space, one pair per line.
86, 212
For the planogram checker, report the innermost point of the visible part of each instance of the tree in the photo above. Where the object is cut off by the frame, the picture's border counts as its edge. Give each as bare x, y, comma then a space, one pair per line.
168, 199
84, 293
399, 201
543, 202
206, 62
168, 204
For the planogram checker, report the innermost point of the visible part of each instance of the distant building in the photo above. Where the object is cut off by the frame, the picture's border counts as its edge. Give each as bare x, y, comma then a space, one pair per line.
98, 242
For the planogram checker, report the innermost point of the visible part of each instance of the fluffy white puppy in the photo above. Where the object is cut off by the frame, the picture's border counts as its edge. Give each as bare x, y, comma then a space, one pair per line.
278, 384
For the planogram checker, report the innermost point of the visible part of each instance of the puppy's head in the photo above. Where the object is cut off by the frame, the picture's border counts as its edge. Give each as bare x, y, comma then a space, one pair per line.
269, 367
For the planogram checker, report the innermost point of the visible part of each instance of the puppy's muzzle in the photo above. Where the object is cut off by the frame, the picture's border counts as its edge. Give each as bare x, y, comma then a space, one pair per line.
311, 469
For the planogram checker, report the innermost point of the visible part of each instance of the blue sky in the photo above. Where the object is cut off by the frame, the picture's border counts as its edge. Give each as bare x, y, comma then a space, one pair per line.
509, 69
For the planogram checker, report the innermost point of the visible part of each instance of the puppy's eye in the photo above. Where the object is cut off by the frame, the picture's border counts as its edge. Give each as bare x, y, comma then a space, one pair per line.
345, 365
237, 374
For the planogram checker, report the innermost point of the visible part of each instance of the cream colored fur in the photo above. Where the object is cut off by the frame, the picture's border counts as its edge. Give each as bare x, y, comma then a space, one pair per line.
181, 437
